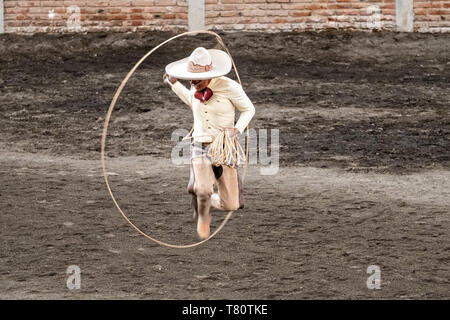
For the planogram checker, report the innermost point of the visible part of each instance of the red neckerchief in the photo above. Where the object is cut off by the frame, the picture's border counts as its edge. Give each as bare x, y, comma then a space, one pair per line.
204, 95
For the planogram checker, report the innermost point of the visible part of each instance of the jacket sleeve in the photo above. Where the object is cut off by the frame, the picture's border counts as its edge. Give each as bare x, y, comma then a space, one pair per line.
240, 100
182, 92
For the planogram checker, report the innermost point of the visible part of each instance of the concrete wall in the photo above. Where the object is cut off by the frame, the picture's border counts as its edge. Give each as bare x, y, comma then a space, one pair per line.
257, 15
196, 15
2, 28
404, 15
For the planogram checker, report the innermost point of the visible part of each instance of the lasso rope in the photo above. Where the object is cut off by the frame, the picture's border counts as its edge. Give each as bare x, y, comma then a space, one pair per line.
105, 130
225, 150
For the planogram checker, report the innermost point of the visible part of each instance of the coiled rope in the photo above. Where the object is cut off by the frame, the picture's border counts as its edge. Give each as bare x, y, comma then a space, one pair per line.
225, 150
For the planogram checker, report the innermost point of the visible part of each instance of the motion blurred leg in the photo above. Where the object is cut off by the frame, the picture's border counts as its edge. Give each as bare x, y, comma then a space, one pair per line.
203, 188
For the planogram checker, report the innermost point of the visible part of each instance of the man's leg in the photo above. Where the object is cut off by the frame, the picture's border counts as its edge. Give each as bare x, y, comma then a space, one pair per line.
190, 189
203, 188
229, 195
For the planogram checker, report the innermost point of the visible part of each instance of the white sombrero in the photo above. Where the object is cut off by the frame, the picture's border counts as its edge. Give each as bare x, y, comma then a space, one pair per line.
200, 65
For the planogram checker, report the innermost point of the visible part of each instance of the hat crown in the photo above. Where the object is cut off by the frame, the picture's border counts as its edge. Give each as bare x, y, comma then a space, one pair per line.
200, 56
200, 65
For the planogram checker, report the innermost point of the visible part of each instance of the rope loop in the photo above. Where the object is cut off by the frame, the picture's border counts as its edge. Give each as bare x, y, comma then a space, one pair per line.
105, 131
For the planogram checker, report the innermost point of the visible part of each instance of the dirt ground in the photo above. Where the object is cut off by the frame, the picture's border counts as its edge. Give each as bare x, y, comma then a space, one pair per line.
364, 173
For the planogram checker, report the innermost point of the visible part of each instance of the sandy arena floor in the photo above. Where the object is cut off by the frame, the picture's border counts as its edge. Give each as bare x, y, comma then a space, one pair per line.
364, 175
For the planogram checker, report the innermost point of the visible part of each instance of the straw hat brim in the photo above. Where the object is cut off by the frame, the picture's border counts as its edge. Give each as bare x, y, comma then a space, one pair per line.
221, 65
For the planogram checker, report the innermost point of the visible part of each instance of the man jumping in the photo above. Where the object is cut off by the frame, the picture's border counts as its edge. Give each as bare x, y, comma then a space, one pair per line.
213, 99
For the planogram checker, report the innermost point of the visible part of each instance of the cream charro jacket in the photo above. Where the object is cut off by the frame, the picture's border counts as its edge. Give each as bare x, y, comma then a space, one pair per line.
218, 112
